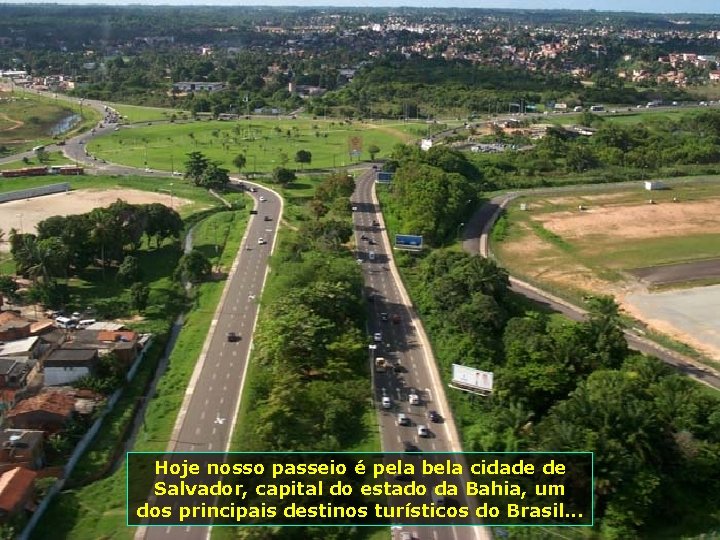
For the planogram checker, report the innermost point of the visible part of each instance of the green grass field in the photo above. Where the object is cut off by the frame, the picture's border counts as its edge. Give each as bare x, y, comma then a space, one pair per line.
27, 120
136, 113
53, 158
266, 143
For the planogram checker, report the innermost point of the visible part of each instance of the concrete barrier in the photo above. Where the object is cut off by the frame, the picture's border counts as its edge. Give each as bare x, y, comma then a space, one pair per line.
34, 192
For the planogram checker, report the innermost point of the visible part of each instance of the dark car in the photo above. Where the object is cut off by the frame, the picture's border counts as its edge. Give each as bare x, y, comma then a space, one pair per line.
253, 212
384, 316
376, 223
396, 318
232, 337
363, 237
372, 242
267, 218
434, 416
410, 447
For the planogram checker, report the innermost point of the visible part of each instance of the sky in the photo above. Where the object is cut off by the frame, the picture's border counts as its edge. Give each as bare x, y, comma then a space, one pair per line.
647, 6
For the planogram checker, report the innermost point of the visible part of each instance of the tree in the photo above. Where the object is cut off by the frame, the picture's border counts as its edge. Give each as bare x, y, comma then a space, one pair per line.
302, 157
193, 267
214, 176
129, 271
195, 166
240, 161
42, 155
283, 176
7, 285
139, 296
373, 149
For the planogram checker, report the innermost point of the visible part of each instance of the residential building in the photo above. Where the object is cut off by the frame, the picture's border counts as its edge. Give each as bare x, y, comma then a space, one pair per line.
199, 86
67, 365
16, 491
13, 372
48, 411
21, 447
13, 326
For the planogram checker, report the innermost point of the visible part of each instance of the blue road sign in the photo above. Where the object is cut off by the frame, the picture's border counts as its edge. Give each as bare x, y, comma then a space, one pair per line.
408, 241
384, 177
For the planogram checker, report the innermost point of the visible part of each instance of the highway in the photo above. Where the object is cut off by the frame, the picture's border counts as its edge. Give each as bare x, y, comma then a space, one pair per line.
207, 415
476, 240
405, 343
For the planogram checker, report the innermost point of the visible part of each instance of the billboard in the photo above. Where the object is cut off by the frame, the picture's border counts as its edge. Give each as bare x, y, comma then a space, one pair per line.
467, 378
408, 241
384, 177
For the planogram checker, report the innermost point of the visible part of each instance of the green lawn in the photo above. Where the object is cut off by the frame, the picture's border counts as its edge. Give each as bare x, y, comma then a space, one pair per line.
26, 120
262, 141
53, 158
136, 113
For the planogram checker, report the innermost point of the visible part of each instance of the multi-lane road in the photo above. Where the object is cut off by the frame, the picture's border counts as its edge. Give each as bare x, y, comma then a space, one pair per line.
404, 343
207, 415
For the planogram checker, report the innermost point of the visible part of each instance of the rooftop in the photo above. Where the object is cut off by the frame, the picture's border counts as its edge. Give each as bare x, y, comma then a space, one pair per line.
105, 325
19, 346
49, 402
71, 356
14, 485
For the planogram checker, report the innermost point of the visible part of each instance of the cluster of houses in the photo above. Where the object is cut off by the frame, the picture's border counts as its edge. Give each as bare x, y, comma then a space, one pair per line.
40, 360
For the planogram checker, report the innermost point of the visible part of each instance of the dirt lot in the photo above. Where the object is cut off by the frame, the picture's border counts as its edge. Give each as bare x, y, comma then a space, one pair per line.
596, 249
25, 214
636, 221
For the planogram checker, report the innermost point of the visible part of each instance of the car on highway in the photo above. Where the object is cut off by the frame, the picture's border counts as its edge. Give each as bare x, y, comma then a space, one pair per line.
261, 241
386, 402
354, 208
376, 223
434, 416
363, 237
267, 218
233, 337
371, 241
414, 397
377, 337
410, 447
403, 419
177, 173
384, 316
371, 255
262, 199
396, 318
423, 431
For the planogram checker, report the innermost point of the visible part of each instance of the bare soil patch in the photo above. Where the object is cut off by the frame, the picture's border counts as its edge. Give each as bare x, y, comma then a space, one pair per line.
25, 214
636, 221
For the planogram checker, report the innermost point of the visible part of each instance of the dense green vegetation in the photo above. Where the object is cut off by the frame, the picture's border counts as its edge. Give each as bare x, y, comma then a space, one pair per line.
307, 384
561, 385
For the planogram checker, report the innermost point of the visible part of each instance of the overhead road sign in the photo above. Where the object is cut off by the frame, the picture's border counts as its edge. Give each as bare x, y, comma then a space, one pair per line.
471, 380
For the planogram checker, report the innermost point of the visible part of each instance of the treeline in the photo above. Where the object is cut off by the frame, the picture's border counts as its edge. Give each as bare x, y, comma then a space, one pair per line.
614, 152
432, 191
65, 246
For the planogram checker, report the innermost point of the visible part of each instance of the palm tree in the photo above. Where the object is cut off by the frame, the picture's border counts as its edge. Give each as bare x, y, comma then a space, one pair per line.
102, 231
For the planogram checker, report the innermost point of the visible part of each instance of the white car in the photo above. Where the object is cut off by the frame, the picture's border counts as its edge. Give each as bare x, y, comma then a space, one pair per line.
262, 199
414, 398
423, 431
261, 241
377, 337
386, 402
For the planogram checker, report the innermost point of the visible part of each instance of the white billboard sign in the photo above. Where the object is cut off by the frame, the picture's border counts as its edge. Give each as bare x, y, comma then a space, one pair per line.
472, 379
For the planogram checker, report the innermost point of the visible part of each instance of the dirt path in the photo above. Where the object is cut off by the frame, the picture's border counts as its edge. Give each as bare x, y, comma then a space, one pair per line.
18, 123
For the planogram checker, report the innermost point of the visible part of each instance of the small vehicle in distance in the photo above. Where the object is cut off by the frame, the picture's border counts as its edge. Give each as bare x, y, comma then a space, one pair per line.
386, 402
434, 416
403, 419
363, 237
414, 398
262, 199
267, 218
423, 431
377, 337
261, 241
384, 316
410, 447
232, 337
396, 318
376, 223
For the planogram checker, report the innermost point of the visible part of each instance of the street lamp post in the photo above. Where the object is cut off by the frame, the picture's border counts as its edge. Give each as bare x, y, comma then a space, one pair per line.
172, 204
458, 230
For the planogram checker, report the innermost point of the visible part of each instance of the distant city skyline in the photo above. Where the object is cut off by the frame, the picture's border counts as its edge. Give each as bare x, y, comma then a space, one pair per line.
642, 6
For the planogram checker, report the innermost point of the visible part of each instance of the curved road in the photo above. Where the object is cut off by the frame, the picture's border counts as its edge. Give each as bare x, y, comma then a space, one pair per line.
476, 240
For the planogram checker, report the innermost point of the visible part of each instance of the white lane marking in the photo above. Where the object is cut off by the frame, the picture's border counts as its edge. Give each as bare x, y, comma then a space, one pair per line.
214, 431
227, 375
209, 446
222, 400
399, 439
214, 376
202, 415
429, 394
234, 354
167, 530
210, 389
197, 430
207, 401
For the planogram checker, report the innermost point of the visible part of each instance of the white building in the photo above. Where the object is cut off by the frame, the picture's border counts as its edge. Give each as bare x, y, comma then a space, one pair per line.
65, 366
